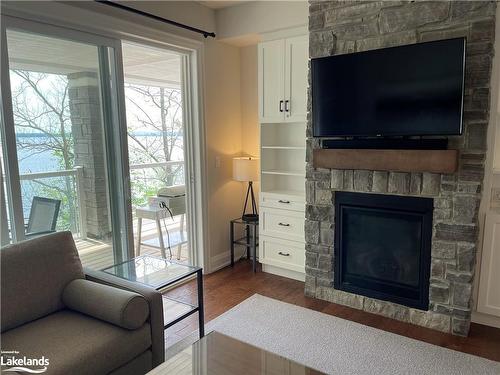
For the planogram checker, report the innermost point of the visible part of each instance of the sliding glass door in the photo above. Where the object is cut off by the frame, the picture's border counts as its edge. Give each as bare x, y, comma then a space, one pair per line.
64, 140
156, 149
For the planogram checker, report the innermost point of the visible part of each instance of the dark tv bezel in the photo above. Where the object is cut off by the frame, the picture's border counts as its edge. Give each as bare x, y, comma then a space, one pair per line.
388, 134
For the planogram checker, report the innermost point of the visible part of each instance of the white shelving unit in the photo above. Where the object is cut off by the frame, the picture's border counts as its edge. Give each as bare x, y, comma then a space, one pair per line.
283, 104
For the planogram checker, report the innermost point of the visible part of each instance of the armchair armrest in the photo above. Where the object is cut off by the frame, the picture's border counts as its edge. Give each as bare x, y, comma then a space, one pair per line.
117, 306
155, 302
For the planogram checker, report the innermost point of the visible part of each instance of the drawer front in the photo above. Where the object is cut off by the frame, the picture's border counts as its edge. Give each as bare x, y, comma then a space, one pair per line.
283, 201
283, 253
282, 223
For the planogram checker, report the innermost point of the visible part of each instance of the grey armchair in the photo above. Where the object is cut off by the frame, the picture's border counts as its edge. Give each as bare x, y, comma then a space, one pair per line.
82, 321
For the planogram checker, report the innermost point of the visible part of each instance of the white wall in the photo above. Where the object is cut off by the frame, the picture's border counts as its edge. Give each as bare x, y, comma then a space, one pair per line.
188, 12
249, 100
223, 135
243, 24
250, 136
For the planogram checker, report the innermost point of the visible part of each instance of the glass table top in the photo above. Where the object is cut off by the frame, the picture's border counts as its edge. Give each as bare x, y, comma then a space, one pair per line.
217, 354
155, 272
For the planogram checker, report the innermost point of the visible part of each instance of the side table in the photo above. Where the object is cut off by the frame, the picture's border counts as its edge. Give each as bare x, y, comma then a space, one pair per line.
250, 240
177, 238
160, 273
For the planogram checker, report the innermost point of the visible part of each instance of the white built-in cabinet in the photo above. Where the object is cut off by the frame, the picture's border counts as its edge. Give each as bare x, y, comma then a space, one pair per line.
489, 282
283, 79
282, 75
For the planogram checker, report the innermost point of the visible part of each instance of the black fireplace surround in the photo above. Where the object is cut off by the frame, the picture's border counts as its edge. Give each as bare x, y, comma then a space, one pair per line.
383, 247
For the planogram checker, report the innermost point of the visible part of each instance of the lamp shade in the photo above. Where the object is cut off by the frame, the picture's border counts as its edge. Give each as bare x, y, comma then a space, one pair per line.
245, 169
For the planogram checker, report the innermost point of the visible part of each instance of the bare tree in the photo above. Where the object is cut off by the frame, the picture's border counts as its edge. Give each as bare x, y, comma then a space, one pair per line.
159, 110
41, 106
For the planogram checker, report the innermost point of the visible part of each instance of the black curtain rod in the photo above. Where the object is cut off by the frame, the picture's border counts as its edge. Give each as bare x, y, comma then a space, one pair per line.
206, 34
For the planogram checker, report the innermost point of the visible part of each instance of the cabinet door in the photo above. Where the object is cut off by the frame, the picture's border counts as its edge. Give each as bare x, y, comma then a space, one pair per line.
271, 81
489, 283
296, 65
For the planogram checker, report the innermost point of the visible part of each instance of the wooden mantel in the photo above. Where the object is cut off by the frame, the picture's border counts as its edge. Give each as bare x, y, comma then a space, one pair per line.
435, 161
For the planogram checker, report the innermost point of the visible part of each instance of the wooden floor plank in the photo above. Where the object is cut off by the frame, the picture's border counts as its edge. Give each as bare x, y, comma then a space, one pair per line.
97, 254
228, 287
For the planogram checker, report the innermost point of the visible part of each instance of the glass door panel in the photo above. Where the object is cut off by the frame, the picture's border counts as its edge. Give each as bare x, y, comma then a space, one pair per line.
156, 149
60, 92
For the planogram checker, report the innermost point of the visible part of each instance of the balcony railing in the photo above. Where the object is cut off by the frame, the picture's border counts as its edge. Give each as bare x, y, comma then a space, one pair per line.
146, 179
68, 182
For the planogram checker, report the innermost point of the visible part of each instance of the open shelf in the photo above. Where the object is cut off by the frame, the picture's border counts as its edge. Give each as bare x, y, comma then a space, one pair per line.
174, 238
283, 136
284, 172
283, 148
283, 160
173, 309
283, 184
281, 192
282, 157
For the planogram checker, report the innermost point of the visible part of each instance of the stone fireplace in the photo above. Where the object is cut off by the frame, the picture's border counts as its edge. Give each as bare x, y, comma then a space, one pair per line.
383, 247
344, 27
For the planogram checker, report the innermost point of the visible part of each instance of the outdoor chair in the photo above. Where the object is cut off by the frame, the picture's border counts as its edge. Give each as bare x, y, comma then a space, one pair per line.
43, 216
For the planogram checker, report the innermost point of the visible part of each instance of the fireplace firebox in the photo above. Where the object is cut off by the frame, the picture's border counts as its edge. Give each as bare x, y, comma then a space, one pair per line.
383, 247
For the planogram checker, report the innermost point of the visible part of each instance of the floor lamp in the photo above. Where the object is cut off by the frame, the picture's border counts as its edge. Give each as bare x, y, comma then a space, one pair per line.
246, 169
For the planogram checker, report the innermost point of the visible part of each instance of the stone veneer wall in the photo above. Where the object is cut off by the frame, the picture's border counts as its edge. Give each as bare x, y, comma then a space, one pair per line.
337, 27
88, 137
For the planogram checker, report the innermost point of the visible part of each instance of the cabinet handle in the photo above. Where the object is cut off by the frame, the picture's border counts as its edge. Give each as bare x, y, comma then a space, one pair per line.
286, 106
281, 105
284, 254
284, 224
283, 201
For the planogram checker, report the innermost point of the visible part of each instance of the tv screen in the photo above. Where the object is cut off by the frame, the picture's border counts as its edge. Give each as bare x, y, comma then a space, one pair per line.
399, 91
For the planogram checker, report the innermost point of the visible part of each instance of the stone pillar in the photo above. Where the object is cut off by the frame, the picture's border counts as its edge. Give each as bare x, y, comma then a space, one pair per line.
89, 148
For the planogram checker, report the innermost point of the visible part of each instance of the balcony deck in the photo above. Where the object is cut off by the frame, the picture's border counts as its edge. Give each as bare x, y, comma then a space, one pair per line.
98, 255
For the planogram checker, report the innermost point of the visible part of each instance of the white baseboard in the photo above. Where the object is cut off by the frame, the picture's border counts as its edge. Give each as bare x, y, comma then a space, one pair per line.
283, 272
485, 319
222, 260
219, 261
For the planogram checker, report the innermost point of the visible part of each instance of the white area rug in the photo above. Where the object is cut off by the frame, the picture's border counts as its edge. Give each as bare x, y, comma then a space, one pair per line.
337, 346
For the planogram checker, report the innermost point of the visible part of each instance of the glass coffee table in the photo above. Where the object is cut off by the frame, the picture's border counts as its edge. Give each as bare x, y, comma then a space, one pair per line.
160, 273
218, 354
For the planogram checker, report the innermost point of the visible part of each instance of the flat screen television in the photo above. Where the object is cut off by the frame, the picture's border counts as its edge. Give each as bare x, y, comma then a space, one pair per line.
399, 91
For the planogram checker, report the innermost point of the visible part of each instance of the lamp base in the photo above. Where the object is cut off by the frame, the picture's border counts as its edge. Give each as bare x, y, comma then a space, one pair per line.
250, 217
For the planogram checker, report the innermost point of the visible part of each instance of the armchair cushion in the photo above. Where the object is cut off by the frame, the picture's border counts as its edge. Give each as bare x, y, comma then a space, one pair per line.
155, 302
33, 276
77, 343
120, 307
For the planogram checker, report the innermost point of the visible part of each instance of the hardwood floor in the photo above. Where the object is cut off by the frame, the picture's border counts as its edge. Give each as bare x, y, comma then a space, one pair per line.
228, 287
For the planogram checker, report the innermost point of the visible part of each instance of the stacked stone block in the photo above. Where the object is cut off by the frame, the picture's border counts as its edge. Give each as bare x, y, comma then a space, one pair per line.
338, 27
89, 148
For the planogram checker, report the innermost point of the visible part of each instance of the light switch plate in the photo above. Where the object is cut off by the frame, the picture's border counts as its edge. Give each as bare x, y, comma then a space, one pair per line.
495, 197
217, 162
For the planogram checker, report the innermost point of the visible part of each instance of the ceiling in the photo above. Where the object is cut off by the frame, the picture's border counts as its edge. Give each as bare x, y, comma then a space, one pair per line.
146, 65
215, 4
